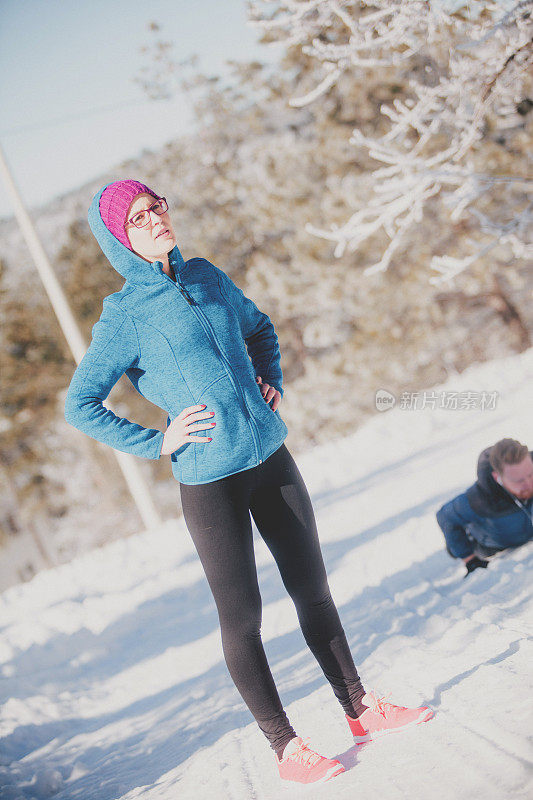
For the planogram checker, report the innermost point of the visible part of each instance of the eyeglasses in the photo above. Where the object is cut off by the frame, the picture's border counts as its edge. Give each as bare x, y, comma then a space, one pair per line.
142, 218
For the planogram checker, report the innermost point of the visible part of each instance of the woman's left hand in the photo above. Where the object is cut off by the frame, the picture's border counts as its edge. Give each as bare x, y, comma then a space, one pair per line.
269, 392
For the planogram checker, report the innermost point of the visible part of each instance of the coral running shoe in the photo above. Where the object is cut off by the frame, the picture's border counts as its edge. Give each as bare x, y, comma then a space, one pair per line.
381, 718
303, 765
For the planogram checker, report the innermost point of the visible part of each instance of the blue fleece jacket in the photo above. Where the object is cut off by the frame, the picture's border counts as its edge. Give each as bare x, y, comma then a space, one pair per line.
196, 340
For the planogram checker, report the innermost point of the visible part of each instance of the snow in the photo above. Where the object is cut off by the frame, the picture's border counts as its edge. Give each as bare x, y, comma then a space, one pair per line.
113, 681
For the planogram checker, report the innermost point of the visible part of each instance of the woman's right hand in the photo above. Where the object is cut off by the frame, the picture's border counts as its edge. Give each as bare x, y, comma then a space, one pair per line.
179, 432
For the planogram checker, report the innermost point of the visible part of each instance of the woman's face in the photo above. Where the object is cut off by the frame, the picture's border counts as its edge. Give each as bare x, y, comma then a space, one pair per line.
155, 239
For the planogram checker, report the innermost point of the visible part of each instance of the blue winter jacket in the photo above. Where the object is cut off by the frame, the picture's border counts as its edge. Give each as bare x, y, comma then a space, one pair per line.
195, 340
485, 513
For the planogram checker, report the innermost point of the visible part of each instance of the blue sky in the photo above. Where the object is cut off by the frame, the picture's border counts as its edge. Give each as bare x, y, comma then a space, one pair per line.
62, 62
69, 107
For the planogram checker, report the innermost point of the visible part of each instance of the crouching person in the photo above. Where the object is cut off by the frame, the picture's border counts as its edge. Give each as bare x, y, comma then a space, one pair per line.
496, 511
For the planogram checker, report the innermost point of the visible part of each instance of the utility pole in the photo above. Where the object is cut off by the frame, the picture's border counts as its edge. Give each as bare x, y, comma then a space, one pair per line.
135, 481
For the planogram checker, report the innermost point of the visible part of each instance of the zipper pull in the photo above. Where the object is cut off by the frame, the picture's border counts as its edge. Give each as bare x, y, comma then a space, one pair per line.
184, 292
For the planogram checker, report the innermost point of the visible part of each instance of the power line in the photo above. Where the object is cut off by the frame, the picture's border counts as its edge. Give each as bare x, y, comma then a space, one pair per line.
73, 117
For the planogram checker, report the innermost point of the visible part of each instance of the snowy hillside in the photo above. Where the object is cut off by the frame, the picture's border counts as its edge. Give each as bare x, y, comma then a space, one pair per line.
113, 681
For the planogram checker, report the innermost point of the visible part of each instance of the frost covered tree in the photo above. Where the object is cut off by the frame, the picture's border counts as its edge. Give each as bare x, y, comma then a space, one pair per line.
465, 68
272, 153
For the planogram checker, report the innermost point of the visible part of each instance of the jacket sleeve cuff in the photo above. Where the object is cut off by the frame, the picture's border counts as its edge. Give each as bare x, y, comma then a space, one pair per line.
465, 555
157, 445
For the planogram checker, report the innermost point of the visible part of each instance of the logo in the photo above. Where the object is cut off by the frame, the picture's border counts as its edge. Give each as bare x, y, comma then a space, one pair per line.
384, 400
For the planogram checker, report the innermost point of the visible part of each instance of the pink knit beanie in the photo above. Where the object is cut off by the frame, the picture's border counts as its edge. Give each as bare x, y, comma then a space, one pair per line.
114, 203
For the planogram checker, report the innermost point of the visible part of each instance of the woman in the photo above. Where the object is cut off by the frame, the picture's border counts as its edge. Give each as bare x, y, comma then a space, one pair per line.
192, 343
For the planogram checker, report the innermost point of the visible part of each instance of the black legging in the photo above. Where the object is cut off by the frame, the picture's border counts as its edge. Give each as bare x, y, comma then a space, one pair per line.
217, 515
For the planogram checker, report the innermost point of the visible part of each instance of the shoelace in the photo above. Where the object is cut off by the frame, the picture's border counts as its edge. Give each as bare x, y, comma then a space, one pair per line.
378, 704
305, 755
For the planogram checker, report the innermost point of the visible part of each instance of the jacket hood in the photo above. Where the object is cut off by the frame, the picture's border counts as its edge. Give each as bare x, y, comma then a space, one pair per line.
487, 497
484, 475
127, 263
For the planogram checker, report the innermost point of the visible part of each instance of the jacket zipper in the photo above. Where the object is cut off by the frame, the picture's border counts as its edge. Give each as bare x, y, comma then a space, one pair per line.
203, 319
520, 505
524, 509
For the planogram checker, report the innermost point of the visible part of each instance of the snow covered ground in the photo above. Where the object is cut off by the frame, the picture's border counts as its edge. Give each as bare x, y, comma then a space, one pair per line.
112, 677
